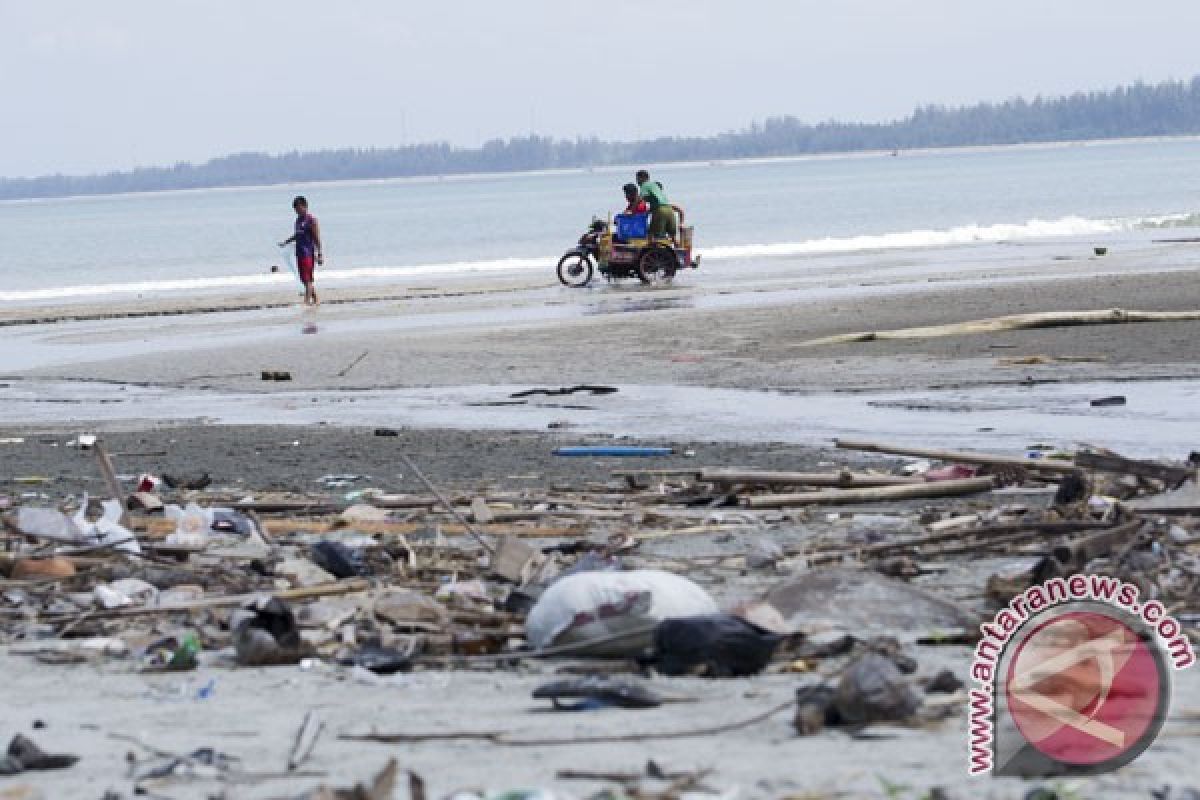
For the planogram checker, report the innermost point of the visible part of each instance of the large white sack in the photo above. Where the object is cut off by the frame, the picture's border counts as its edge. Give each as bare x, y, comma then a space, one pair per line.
591, 605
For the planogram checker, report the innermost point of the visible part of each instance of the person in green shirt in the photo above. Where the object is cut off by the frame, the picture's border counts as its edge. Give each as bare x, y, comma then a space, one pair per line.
663, 221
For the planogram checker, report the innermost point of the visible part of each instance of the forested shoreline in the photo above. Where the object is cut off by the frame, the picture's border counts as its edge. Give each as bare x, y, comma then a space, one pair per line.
1171, 108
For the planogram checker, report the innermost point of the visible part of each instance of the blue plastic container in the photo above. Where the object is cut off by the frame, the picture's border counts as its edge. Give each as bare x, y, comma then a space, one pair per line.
632, 226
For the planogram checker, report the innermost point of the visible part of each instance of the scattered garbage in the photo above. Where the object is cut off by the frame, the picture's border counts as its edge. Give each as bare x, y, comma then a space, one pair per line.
837, 581
24, 755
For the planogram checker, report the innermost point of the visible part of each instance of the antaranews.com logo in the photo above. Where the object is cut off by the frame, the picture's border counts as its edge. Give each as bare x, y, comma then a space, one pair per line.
1073, 678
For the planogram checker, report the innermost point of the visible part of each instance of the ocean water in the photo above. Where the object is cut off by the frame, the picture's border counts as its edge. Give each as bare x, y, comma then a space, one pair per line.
91, 248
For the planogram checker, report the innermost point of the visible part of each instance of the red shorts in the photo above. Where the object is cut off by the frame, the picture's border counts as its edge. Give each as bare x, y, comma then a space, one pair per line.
304, 265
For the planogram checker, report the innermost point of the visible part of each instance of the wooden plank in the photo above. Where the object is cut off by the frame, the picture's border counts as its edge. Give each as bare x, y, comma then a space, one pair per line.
873, 495
844, 479
959, 456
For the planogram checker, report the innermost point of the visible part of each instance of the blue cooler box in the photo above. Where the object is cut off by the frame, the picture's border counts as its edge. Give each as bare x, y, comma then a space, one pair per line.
632, 226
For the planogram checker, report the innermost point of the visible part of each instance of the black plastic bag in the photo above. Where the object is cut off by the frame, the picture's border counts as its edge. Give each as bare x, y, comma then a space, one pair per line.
717, 645
339, 560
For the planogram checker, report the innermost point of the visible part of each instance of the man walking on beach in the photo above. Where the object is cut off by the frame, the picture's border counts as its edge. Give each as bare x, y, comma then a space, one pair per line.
308, 247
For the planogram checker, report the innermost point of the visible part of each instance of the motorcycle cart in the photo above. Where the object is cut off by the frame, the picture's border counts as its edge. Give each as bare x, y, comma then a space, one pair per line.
622, 248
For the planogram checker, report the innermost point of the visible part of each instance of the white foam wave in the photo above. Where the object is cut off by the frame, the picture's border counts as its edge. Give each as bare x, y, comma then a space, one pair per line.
967, 234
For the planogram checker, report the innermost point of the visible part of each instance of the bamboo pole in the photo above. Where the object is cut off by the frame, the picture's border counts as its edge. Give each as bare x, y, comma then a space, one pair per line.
843, 479
877, 494
960, 456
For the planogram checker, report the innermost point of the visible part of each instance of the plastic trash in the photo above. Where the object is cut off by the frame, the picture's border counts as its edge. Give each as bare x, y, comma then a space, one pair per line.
125, 592
596, 691
717, 645
594, 605
951, 472
269, 636
339, 560
192, 526
47, 523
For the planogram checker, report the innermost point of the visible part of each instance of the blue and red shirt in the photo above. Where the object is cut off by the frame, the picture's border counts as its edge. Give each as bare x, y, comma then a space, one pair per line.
305, 244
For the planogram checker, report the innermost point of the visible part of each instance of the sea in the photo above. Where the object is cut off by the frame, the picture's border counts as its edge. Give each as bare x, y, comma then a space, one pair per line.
118, 247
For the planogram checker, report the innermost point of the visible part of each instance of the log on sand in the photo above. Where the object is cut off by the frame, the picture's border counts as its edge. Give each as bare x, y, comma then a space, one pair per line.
872, 495
958, 456
1013, 322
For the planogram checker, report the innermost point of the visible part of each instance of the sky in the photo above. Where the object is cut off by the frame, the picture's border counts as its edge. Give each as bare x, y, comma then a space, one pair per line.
92, 87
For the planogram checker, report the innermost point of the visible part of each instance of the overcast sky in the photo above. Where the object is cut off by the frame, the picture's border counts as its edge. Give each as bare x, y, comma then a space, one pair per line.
94, 86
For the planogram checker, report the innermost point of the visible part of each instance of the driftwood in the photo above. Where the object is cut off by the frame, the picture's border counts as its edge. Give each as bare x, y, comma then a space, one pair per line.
959, 456
1173, 476
874, 495
764, 478
1014, 322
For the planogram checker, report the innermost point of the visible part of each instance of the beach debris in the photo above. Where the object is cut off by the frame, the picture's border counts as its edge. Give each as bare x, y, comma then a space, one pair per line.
597, 691
358, 360
24, 755
1112, 400
382, 660
276, 375
565, 390
411, 610
267, 635
381, 787
192, 482
306, 740
617, 610
339, 560
25, 569
713, 645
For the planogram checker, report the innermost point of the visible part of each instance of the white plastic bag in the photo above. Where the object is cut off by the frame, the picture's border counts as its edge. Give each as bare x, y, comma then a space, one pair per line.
192, 526
592, 605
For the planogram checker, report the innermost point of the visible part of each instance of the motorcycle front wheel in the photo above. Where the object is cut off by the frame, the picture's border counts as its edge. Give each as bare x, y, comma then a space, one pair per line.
575, 270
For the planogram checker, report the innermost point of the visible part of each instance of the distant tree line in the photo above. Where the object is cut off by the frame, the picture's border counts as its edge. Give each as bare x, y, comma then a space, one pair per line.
1169, 108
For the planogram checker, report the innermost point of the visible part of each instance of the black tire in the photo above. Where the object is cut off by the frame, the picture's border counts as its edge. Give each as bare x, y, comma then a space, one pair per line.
657, 265
575, 270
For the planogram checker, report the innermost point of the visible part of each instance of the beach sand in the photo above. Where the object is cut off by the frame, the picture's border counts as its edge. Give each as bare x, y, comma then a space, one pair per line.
719, 333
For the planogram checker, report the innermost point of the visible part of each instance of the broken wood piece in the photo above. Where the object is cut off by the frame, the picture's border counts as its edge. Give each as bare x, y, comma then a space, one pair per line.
878, 494
1173, 476
514, 560
959, 456
110, 481
845, 478
306, 740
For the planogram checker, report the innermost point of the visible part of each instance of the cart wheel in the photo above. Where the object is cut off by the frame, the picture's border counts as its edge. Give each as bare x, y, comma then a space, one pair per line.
575, 270
657, 265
